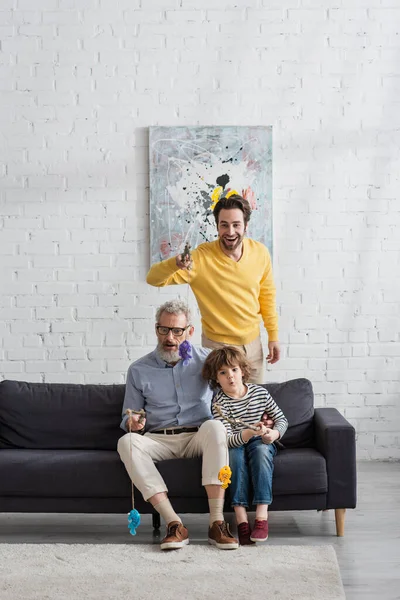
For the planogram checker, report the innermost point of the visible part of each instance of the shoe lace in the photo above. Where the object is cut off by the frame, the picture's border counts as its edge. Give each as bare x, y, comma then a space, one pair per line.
224, 527
172, 529
259, 524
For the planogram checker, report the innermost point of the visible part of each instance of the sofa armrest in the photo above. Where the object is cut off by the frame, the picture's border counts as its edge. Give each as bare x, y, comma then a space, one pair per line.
335, 439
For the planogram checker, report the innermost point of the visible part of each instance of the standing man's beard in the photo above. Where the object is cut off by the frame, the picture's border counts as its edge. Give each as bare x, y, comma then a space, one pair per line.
170, 356
229, 245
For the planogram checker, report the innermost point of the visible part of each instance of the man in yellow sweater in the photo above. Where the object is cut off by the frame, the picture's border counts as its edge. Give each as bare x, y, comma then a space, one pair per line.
233, 283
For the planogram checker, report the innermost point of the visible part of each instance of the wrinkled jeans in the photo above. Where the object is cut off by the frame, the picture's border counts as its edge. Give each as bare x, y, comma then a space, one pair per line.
253, 462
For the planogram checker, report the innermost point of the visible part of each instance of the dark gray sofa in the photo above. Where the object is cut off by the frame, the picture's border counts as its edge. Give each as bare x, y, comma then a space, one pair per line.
58, 454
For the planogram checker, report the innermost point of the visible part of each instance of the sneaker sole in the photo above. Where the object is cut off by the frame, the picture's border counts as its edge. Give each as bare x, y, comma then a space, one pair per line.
233, 546
174, 545
259, 539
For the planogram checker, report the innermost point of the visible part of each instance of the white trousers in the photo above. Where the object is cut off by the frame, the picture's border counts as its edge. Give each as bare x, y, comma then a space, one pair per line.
140, 452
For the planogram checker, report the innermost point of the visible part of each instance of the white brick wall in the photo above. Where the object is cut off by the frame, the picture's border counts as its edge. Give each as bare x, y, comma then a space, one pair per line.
80, 82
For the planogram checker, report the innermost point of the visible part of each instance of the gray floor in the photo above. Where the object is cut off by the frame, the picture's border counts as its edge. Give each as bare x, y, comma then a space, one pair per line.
368, 555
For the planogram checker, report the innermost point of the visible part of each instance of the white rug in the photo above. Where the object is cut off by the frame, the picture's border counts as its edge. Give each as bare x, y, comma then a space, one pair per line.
143, 572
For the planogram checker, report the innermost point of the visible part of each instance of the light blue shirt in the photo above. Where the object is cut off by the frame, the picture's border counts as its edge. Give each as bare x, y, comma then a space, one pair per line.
171, 396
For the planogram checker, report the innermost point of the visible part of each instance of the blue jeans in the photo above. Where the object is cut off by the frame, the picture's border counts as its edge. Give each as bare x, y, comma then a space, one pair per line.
253, 460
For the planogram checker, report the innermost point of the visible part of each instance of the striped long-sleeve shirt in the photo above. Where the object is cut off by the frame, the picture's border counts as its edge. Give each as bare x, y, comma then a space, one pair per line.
250, 409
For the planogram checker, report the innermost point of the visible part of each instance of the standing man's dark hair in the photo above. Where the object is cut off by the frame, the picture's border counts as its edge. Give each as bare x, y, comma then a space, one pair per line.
234, 201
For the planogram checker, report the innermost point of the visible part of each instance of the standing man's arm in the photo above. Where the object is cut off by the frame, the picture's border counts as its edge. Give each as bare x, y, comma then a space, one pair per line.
268, 311
173, 271
134, 399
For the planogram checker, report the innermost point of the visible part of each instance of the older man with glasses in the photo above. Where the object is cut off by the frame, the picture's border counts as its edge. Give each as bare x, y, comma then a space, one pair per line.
178, 424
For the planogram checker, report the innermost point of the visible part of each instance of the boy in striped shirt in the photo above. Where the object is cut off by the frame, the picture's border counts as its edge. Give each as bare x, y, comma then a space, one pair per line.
241, 406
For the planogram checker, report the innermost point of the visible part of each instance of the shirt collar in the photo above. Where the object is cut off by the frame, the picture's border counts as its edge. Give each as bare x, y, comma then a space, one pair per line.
238, 399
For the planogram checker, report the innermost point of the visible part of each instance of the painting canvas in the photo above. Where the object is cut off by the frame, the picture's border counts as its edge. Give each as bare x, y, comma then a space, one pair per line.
190, 167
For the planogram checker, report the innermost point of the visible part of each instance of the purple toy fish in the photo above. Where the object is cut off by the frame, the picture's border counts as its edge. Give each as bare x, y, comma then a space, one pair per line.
185, 351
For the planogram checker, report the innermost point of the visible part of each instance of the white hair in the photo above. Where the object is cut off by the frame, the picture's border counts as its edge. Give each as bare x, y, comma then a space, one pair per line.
175, 307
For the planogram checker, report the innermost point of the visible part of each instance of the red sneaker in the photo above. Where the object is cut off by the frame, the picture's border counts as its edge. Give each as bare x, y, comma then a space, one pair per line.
244, 534
260, 531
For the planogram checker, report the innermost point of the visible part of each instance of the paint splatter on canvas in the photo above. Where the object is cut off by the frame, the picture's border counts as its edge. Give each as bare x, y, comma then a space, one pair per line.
190, 167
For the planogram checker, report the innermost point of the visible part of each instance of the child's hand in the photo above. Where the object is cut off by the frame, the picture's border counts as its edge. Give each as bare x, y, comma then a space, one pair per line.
270, 436
261, 428
250, 196
247, 434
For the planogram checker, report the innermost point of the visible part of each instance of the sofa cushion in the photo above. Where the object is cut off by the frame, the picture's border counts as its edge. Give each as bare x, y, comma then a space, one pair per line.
87, 474
299, 471
63, 474
101, 474
296, 400
296, 471
40, 415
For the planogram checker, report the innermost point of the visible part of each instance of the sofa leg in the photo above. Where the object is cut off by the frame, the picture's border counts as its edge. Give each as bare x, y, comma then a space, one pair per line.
340, 514
156, 520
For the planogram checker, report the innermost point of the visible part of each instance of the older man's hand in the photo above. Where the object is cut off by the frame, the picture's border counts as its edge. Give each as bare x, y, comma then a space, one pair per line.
135, 423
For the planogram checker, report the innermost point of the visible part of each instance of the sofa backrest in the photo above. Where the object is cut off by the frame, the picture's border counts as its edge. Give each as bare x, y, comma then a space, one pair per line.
296, 400
60, 415
69, 416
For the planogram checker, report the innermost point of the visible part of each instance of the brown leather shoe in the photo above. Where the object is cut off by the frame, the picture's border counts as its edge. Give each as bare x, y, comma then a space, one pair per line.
219, 535
177, 536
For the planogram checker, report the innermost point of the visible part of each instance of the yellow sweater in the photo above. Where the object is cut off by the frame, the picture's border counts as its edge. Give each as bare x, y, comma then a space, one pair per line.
232, 296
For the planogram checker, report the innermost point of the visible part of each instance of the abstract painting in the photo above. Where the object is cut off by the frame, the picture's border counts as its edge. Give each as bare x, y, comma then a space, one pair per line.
190, 167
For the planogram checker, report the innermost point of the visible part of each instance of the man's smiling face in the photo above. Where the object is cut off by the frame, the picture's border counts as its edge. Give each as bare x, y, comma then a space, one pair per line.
231, 228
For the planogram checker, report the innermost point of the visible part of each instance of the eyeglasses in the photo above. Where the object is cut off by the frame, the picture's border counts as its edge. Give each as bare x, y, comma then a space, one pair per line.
176, 331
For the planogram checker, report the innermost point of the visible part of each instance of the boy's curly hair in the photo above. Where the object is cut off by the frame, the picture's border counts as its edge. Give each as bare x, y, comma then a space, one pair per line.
221, 357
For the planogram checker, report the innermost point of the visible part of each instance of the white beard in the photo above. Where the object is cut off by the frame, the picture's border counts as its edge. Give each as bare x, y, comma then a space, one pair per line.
169, 357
